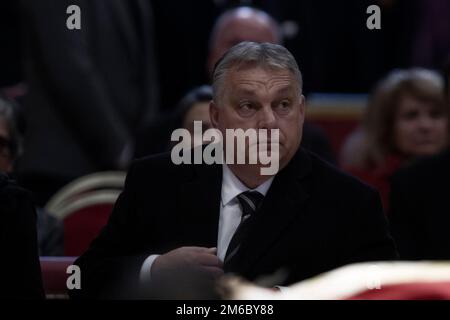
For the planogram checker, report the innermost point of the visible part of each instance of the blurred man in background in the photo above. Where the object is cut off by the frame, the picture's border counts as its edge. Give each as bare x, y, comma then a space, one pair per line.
89, 89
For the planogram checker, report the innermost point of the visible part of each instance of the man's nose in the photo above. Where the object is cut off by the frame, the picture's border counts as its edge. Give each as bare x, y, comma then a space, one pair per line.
267, 119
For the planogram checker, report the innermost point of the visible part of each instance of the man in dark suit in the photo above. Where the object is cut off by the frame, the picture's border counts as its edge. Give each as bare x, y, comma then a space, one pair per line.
204, 220
89, 89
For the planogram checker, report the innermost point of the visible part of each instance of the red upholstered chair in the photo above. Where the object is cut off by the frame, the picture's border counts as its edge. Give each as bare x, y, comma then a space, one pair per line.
85, 205
84, 223
54, 276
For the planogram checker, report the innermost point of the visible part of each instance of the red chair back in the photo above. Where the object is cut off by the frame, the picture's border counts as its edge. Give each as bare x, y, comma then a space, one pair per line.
84, 205
54, 276
88, 222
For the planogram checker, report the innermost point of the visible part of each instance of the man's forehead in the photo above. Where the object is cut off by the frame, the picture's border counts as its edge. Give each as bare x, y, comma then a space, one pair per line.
250, 79
253, 90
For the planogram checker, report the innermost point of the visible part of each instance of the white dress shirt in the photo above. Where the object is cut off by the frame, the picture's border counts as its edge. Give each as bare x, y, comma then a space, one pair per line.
229, 219
230, 209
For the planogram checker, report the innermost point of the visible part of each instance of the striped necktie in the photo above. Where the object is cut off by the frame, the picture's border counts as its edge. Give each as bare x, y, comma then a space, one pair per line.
250, 201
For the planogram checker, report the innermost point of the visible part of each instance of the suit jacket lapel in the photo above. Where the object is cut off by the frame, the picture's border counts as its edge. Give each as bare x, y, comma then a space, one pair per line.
285, 200
200, 202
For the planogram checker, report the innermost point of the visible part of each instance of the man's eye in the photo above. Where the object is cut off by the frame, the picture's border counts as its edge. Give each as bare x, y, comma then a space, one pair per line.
284, 106
246, 109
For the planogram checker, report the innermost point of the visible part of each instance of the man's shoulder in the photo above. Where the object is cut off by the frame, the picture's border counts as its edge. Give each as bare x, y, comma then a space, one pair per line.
159, 166
149, 162
160, 169
328, 177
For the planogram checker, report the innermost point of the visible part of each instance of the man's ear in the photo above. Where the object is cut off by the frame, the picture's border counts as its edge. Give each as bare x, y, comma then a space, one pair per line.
214, 114
302, 105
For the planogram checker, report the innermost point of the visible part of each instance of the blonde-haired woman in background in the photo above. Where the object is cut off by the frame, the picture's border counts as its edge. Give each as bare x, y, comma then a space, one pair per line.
406, 118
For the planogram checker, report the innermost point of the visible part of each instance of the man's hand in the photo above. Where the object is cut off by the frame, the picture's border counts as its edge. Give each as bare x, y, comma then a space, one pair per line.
188, 259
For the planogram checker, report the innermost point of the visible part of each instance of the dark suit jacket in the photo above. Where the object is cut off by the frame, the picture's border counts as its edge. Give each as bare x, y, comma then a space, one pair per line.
420, 209
19, 268
313, 219
89, 89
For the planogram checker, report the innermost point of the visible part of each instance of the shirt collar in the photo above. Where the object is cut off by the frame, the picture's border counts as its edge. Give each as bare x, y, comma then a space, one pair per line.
232, 186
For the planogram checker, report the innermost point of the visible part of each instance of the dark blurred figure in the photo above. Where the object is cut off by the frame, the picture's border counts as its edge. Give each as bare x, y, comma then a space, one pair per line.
11, 75
420, 206
406, 118
335, 49
89, 89
416, 33
10, 64
182, 29
49, 229
338, 53
20, 268
10, 136
431, 44
194, 106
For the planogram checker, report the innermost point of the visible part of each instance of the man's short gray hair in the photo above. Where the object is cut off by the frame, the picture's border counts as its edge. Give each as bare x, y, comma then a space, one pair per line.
252, 54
